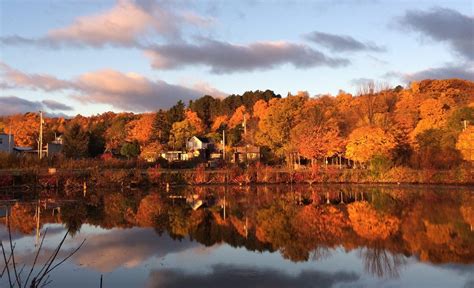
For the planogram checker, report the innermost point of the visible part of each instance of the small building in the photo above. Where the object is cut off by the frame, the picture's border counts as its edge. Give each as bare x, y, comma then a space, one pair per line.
172, 156
246, 153
7, 142
197, 143
53, 148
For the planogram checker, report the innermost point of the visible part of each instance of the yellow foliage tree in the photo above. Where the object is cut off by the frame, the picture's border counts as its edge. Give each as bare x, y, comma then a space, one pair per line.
367, 142
465, 144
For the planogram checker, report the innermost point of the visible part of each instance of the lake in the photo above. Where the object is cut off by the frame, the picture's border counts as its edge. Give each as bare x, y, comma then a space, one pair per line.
260, 236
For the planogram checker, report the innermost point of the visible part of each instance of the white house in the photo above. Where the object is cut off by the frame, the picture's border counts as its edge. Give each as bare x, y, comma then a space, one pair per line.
196, 143
6, 142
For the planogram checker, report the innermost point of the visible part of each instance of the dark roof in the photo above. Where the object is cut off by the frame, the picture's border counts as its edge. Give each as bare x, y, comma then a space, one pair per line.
203, 139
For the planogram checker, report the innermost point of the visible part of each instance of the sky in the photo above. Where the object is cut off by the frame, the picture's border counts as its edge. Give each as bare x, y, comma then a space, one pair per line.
92, 56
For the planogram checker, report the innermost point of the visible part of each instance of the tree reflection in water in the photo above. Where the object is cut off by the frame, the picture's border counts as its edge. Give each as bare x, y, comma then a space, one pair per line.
381, 262
384, 224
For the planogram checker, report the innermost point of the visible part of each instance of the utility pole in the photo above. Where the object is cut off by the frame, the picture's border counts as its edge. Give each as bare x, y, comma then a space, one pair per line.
245, 125
10, 138
223, 145
40, 148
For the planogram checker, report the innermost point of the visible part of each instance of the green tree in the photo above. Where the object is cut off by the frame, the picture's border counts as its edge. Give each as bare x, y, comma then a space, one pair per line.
180, 133
161, 127
96, 139
130, 149
76, 141
176, 113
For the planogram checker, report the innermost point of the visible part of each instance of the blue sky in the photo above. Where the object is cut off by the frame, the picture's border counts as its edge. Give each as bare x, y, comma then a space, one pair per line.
89, 57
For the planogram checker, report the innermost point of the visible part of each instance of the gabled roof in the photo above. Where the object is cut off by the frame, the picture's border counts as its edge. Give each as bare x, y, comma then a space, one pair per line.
203, 139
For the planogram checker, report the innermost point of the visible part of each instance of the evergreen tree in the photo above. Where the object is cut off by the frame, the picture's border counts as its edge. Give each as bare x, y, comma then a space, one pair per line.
76, 141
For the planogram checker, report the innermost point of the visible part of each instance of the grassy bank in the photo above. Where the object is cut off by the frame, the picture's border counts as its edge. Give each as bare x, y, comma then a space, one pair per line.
136, 176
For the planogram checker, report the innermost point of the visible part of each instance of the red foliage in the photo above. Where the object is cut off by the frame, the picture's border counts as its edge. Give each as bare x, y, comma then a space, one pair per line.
6, 180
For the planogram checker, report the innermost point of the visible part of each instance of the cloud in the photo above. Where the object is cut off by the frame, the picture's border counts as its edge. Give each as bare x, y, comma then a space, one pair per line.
443, 25
242, 276
342, 43
55, 105
224, 57
361, 82
127, 248
15, 105
125, 24
465, 72
125, 91
13, 78
131, 91
207, 89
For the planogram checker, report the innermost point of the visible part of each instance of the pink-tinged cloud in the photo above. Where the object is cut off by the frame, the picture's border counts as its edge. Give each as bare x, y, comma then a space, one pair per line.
124, 91
13, 78
127, 248
119, 25
223, 57
125, 24
131, 91
206, 89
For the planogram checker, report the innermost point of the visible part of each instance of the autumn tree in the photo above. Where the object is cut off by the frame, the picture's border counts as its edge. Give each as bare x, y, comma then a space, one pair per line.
317, 135
465, 144
366, 142
219, 123
276, 125
195, 121
238, 117
259, 109
140, 128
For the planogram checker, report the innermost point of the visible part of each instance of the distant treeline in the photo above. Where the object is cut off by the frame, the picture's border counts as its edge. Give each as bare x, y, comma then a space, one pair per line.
428, 125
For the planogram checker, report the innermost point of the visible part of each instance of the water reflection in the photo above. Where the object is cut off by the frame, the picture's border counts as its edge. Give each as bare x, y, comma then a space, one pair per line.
383, 226
242, 276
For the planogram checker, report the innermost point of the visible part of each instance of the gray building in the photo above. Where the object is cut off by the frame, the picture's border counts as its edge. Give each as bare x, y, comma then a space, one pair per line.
6, 142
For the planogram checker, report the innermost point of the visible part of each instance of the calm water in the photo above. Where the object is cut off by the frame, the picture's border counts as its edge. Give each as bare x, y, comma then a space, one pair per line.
278, 236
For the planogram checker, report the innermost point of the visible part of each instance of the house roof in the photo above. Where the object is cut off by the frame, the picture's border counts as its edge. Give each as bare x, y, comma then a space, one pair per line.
23, 148
247, 149
203, 139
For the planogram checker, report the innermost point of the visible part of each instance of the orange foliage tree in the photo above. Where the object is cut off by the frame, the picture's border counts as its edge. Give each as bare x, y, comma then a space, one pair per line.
260, 108
238, 117
141, 128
